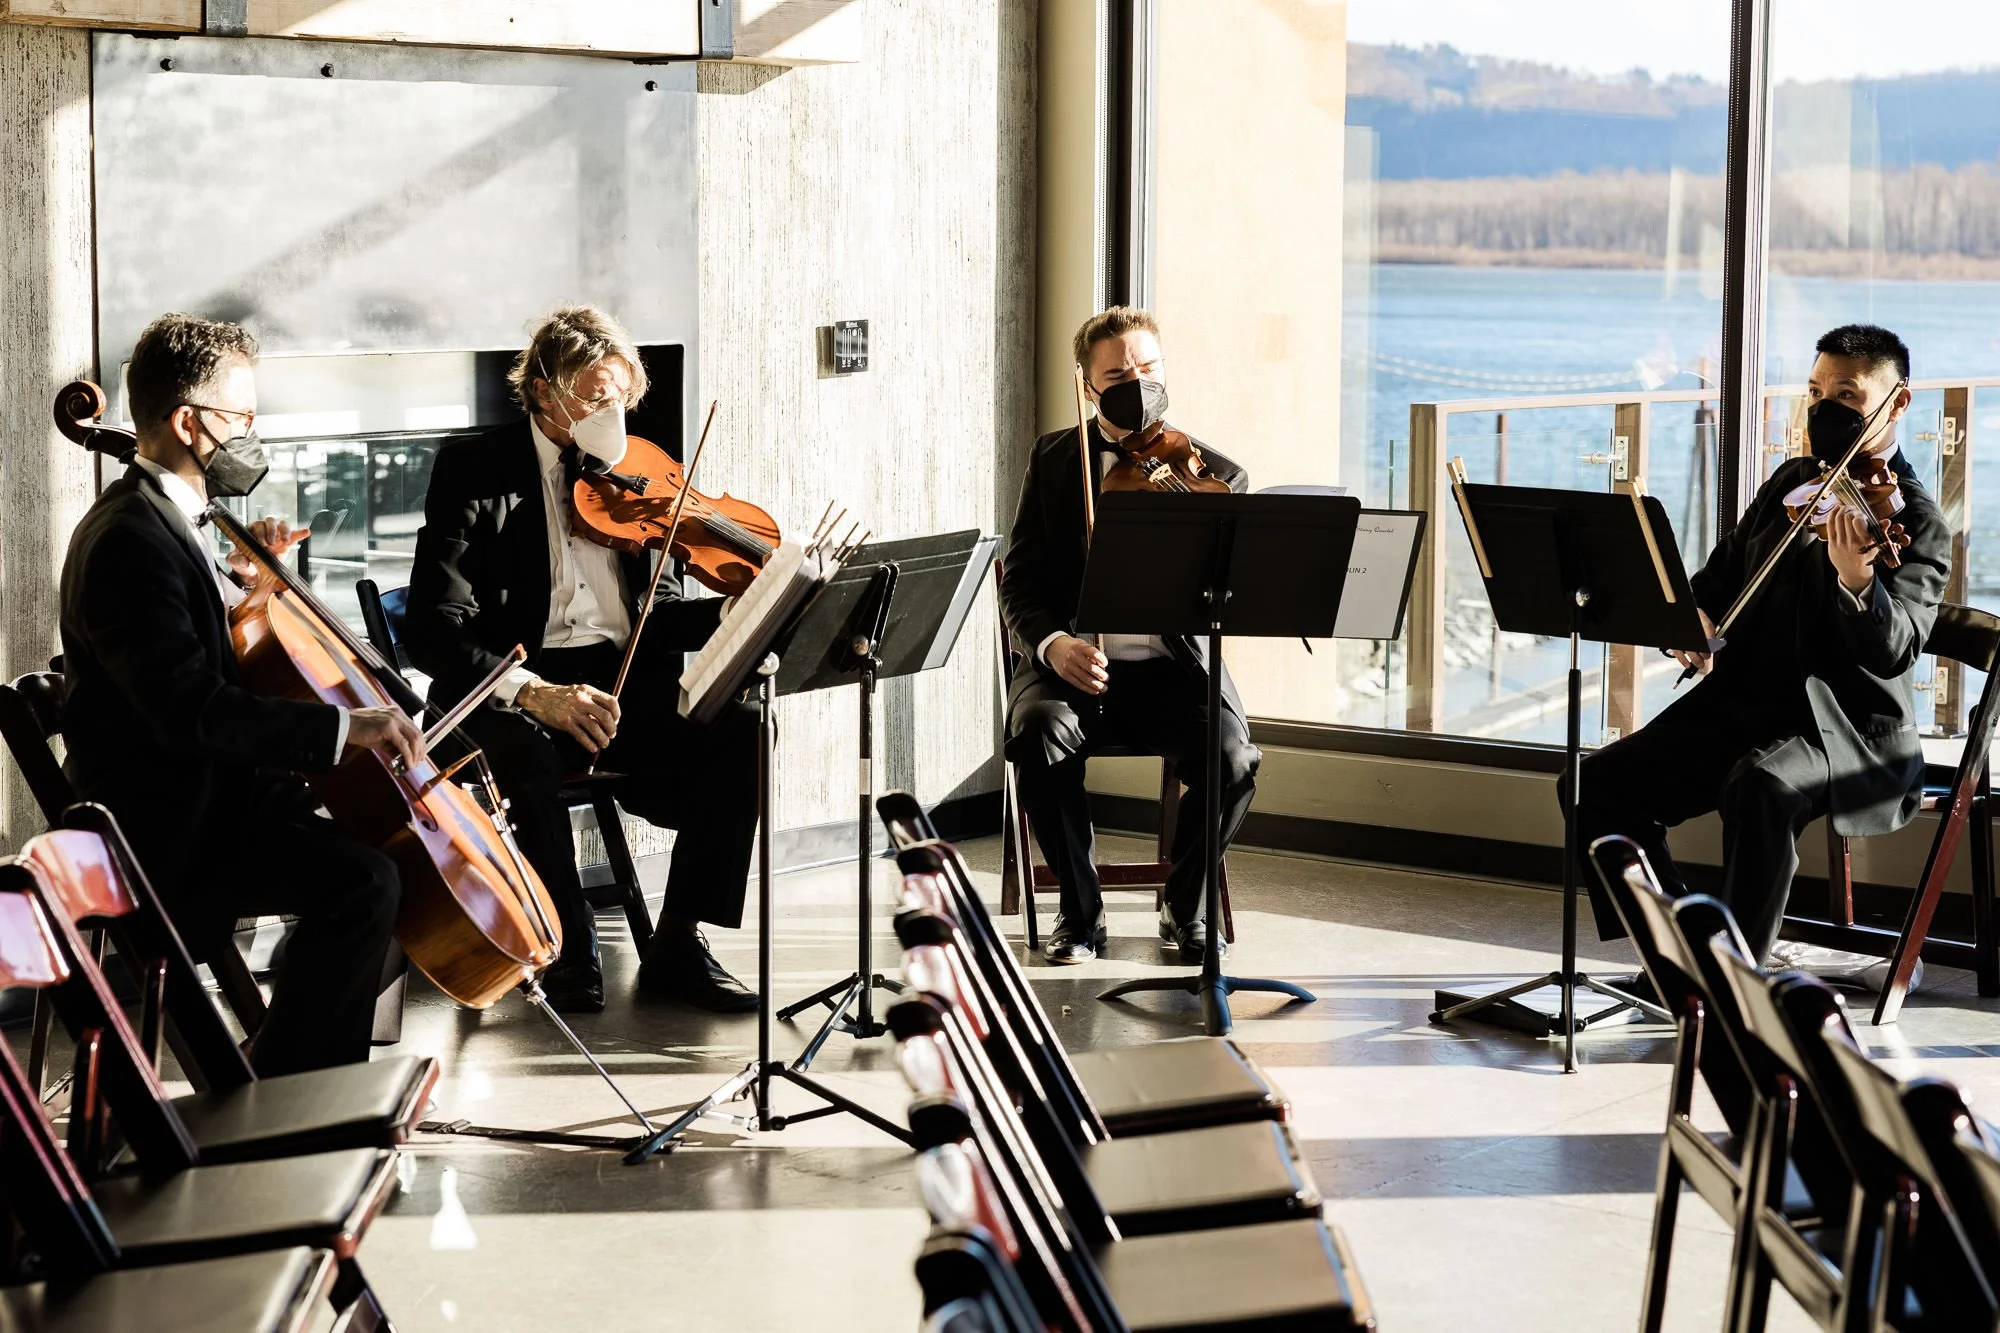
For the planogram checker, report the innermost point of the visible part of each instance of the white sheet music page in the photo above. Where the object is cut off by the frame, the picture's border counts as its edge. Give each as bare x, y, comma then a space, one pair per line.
774, 596
1378, 574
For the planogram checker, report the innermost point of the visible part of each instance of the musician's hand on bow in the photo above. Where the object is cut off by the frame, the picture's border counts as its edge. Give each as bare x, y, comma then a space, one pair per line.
387, 729
1082, 665
1700, 662
584, 712
276, 534
1851, 548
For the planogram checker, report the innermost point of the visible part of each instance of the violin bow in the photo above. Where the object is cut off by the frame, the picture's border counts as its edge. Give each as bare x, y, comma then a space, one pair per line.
1089, 483
660, 568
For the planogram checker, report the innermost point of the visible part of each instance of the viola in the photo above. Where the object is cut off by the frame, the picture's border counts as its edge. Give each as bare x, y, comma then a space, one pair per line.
475, 916
1160, 459
723, 542
1867, 486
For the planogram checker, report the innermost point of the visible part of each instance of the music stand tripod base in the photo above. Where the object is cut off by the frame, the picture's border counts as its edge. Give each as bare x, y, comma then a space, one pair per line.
1511, 1009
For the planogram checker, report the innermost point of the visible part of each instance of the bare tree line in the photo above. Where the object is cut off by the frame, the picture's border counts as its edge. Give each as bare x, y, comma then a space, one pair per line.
1923, 211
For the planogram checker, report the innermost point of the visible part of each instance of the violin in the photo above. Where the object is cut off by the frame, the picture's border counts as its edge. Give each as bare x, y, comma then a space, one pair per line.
723, 542
1867, 486
1160, 459
475, 917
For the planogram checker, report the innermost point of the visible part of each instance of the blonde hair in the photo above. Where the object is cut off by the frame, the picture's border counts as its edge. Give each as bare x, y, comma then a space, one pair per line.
568, 343
1116, 322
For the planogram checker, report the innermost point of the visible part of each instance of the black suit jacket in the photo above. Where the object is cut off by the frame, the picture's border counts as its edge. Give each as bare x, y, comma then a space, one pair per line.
480, 583
1045, 551
1859, 665
157, 723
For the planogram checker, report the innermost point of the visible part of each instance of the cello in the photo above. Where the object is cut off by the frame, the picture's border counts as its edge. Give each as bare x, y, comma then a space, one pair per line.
475, 917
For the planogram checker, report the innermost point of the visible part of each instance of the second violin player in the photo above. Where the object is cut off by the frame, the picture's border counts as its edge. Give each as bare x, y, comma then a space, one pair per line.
498, 563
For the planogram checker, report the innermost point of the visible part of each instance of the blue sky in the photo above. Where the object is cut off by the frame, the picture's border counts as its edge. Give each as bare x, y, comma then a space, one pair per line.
1813, 39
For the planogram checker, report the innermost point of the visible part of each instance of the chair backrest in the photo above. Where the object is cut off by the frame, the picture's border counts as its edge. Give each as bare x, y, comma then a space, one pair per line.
1002, 1177
382, 616
1967, 636
1648, 916
921, 852
42, 1186
969, 1287
91, 867
31, 717
1941, 1265
1967, 1160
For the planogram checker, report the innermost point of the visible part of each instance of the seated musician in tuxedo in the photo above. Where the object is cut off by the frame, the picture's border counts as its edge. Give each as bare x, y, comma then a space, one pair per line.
497, 564
1069, 697
1808, 707
161, 730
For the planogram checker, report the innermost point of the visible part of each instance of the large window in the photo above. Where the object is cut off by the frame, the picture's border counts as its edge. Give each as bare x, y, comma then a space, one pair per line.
1386, 235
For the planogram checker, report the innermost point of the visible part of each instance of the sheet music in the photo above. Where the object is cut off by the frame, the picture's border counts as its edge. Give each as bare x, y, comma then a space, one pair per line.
746, 633
1378, 574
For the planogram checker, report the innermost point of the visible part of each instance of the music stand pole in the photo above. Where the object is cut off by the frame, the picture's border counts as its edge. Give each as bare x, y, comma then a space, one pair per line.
1211, 984
856, 990
756, 1077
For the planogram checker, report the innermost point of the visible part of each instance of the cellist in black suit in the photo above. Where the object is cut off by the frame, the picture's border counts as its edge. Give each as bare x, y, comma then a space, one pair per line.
498, 564
160, 729
1069, 696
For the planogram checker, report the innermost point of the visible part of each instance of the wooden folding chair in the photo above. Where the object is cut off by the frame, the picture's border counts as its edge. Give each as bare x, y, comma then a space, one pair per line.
1021, 874
1971, 640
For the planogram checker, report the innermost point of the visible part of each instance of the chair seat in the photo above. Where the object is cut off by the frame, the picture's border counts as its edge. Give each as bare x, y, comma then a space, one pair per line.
1288, 1275
274, 1292
1178, 1084
1219, 1176
373, 1105
325, 1201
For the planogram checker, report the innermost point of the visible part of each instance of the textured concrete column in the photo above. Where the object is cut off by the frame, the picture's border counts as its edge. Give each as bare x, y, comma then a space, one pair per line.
47, 338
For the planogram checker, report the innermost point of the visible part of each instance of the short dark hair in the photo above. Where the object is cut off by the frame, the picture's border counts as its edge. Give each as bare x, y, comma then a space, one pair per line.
178, 356
1867, 342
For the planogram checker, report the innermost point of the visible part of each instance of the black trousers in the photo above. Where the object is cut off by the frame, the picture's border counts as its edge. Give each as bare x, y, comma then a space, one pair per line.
1717, 749
290, 861
699, 780
1155, 706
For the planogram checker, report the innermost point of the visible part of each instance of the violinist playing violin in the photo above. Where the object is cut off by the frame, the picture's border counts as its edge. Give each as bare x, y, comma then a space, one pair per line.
1807, 705
1072, 695
161, 730
497, 564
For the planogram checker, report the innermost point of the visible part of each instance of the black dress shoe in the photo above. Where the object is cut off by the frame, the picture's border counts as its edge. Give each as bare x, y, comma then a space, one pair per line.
574, 988
1071, 943
1190, 939
680, 967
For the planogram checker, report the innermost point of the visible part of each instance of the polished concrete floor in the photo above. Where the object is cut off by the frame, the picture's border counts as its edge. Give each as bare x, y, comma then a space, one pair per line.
1482, 1189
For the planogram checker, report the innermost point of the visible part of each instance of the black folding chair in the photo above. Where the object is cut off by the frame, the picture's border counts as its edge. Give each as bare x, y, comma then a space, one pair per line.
275, 1292
1279, 1275
1185, 1180
79, 877
1163, 1085
1971, 640
1965, 1153
382, 614
74, 1230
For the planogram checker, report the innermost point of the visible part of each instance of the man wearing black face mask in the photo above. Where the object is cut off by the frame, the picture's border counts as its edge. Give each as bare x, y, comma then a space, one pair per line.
160, 729
1808, 708
1070, 696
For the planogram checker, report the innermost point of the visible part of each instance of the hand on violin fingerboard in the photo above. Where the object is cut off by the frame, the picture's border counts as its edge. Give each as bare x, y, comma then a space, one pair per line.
1082, 665
1852, 549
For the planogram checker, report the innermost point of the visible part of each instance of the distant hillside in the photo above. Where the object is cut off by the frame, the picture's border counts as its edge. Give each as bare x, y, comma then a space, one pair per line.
1441, 115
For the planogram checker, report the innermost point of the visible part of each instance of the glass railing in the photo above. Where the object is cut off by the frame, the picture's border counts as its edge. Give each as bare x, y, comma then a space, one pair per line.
1462, 676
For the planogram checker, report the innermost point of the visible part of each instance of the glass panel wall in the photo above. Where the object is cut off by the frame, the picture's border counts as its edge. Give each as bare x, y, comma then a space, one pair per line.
1367, 208
1885, 209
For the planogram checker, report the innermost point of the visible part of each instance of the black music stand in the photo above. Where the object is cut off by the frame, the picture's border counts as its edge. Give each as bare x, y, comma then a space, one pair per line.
1590, 566
894, 610
1257, 566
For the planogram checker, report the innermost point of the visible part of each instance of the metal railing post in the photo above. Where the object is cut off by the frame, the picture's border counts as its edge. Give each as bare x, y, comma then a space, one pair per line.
1425, 669
1625, 667
1955, 498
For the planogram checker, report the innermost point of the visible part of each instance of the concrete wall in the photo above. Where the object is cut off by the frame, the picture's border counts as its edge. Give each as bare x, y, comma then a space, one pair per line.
899, 190
46, 340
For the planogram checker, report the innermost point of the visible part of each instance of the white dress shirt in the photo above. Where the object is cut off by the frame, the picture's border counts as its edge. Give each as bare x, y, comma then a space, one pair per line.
586, 590
191, 507
1117, 647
